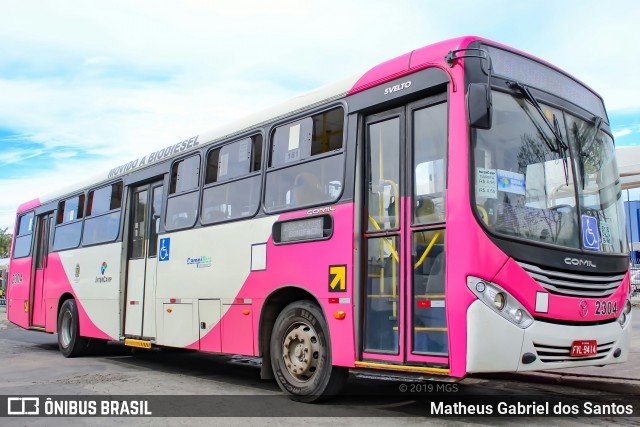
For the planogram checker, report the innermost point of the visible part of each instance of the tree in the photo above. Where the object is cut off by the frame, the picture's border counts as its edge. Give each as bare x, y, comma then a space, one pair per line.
5, 243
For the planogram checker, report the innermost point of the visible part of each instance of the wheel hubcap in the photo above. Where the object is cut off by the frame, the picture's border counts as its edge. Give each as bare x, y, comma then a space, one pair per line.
301, 351
65, 329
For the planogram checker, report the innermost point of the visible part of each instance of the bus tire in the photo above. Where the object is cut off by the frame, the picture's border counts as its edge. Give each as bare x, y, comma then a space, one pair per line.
70, 342
301, 354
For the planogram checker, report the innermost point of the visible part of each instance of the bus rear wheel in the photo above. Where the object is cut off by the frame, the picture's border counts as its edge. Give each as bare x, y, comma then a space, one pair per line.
301, 354
70, 342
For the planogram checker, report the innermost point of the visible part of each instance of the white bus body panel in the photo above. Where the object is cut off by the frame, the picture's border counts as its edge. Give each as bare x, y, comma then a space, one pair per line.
149, 316
134, 304
97, 288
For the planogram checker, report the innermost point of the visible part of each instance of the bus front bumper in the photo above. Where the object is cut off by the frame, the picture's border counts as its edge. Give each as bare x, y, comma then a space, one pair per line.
496, 345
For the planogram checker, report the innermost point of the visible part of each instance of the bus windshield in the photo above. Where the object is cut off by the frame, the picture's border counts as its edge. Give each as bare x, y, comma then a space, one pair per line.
525, 185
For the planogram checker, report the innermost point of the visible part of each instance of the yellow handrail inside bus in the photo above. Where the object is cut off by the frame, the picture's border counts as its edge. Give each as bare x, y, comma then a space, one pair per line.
386, 241
426, 251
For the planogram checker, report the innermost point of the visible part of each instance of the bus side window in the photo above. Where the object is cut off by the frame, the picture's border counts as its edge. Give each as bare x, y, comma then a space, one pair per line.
103, 215
182, 204
306, 164
232, 183
69, 223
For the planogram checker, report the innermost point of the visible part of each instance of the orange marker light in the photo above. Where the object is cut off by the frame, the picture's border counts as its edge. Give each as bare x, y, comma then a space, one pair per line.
245, 312
339, 315
169, 310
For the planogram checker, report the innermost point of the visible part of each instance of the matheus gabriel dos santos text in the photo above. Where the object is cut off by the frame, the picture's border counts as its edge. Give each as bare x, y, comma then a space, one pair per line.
532, 408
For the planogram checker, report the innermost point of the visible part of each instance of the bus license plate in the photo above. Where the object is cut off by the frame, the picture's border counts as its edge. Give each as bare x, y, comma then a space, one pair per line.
584, 348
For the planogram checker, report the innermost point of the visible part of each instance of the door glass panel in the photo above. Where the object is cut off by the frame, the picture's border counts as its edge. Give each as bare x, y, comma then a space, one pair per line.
139, 230
43, 239
429, 166
383, 164
382, 295
421, 231
156, 205
429, 317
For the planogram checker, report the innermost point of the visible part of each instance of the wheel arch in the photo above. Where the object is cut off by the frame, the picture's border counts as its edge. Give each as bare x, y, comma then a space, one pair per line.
65, 296
273, 305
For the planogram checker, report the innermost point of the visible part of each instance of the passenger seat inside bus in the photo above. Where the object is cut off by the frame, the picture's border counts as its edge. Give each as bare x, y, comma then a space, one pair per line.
429, 276
306, 190
425, 210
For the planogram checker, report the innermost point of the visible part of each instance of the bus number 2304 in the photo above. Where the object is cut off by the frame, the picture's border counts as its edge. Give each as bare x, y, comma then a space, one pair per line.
606, 308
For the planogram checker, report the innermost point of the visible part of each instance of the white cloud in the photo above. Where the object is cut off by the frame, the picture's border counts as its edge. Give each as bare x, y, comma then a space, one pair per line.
16, 156
63, 155
622, 132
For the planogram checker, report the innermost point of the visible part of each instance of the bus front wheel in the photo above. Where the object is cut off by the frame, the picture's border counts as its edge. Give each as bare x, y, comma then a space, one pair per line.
70, 342
301, 354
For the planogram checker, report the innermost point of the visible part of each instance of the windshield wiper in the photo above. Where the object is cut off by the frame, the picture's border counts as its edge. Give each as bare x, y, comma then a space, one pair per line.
597, 124
555, 127
561, 147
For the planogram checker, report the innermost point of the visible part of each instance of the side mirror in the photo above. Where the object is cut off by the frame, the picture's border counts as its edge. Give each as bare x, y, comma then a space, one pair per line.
479, 105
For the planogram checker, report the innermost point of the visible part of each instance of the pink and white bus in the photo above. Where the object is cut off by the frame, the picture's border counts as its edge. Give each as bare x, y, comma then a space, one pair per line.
453, 210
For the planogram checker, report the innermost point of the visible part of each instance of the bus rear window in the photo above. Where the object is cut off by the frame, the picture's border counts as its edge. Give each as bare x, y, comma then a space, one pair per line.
22, 247
25, 224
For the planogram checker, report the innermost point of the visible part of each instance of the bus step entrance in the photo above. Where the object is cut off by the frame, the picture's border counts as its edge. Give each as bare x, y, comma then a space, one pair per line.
137, 343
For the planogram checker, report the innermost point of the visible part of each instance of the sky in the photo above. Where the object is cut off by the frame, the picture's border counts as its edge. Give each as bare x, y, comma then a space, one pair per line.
87, 85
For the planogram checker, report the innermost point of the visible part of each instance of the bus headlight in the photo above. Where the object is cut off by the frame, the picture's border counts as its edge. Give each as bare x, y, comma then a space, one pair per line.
500, 301
622, 319
624, 316
518, 316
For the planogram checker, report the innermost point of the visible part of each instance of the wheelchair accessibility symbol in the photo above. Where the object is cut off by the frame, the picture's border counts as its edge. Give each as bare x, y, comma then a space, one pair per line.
163, 252
590, 237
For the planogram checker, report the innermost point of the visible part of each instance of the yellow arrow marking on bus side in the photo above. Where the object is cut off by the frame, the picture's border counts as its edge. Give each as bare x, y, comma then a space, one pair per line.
337, 277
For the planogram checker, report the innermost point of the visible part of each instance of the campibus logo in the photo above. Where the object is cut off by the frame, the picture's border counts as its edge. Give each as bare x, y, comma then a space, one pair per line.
103, 267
